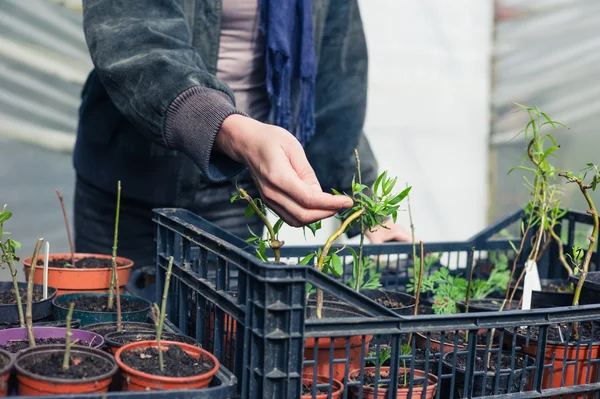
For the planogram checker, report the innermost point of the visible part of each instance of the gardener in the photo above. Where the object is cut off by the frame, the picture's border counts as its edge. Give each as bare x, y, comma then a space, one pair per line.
187, 97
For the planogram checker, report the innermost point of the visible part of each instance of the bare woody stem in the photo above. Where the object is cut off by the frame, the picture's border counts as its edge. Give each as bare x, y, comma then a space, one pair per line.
468, 294
359, 277
64, 211
161, 319
29, 312
275, 243
419, 285
113, 272
561, 251
68, 343
336, 234
412, 233
13, 275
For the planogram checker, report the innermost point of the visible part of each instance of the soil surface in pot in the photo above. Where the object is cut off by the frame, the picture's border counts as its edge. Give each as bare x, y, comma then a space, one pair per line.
370, 380
98, 304
307, 390
449, 338
15, 346
146, 336
492, 366
177, 362
83, 263
51, 366
9, 297
585, 332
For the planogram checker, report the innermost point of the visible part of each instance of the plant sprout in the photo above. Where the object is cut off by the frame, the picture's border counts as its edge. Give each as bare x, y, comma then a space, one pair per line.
113, 272
585, 188
8, 257
159, 314
68, 342
29, 310
66, 219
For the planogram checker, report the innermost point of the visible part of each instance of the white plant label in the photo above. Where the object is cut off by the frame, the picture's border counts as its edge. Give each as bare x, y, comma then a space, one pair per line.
530, 283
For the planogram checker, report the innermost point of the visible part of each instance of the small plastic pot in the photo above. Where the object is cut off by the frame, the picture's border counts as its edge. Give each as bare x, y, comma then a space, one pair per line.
435, 345
547, 298
590, 291
337, 388
67, 280
323, 365
33, 384
61, 308
368, 392
114, 339
9, 314
381, 295
487, 305
135, 380
8, 361
502, 383
20, 334
128, 326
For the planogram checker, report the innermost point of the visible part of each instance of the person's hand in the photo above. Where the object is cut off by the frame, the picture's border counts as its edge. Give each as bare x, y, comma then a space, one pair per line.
277, 162
394, 232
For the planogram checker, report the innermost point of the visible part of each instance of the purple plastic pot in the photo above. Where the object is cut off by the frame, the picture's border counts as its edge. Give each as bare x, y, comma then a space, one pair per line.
20, 334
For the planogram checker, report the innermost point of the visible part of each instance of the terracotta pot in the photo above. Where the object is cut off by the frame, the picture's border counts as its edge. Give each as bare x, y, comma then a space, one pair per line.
138, 381
113, 339
564, 362
68, 280
228, 340
5, 371
368, 392
435, 345
337, 388
339, 352
32, 384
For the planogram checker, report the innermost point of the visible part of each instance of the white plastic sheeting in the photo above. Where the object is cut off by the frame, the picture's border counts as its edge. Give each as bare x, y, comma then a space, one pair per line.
547, 54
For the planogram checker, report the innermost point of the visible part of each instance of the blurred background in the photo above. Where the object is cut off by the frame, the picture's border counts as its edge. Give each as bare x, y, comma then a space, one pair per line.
443, 79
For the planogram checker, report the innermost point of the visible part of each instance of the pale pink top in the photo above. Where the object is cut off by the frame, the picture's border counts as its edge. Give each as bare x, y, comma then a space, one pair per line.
242, 57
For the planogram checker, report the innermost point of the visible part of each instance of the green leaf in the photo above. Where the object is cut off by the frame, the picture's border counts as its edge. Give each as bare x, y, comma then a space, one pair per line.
594, 182
336, 265
249, 211
336, 192
307, 258
277, 226
398, 198
4, 216
378, 181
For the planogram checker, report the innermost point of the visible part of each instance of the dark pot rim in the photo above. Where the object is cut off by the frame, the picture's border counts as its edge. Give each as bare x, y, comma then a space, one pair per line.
57, 303
583, 344
530, 359
396, 294
11, 361
51, 294
64, 330
165, 336
93, 327
38, 350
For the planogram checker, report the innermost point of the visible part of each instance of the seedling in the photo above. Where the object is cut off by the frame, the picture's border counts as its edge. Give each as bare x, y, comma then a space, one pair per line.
114, 279
256, 206
585, 188
68, 342
9, 256
543, 209
66, 219
29, 309
159, 314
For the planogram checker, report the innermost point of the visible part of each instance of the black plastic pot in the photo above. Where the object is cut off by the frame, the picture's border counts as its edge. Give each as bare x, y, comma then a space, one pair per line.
545, 298
590, 291
486, 305
128, 326
506, 379
9, 314
115, 339
381, 296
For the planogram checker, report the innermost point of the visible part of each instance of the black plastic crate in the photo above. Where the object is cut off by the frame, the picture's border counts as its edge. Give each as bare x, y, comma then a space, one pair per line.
253, 316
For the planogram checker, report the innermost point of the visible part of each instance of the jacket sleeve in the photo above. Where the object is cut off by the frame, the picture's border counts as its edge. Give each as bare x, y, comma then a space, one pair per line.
143, 55
341, 102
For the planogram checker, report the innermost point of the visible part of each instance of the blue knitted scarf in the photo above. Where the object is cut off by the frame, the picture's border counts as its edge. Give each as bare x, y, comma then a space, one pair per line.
291, 64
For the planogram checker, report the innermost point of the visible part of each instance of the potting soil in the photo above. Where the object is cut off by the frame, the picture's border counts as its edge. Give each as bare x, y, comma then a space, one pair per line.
449, 338
84, 263
98, 304
15, 346
369, 380
51, 366
177, 363
585, 332
505, 362
9, 298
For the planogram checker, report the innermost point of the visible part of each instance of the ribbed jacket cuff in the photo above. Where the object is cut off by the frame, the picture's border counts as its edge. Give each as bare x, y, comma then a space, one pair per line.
192, 123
